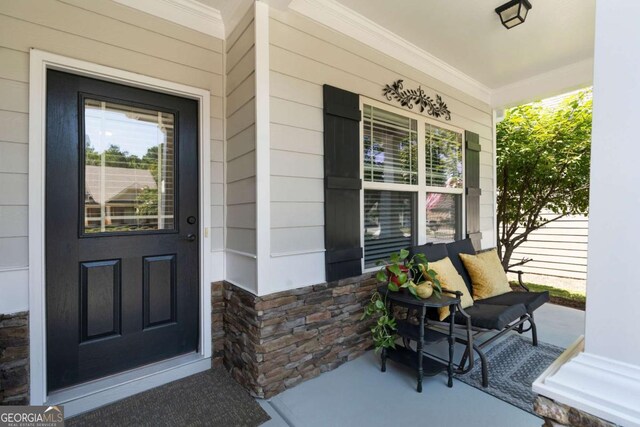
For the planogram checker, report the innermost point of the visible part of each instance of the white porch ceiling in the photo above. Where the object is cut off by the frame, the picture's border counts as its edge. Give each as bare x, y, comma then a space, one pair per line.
468, 35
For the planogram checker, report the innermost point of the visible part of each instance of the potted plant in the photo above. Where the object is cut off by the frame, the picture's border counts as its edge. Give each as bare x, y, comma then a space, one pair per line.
401, 274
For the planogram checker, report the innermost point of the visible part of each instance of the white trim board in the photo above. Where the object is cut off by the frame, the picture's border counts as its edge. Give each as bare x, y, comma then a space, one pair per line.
603, 387
40, 61
188, 13
14, 290
263, 149
86, 397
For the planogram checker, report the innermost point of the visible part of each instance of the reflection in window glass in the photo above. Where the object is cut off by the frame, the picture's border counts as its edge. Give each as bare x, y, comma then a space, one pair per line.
129, 168
390, 147
444, 157
388, 224
443, 217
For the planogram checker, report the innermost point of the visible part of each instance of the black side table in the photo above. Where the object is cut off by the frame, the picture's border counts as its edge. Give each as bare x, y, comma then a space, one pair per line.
421, 333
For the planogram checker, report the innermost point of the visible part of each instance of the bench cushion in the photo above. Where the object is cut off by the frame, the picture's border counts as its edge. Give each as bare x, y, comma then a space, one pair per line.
531, 300
454, 249
451, 281
487, 274
488, 316
433, 252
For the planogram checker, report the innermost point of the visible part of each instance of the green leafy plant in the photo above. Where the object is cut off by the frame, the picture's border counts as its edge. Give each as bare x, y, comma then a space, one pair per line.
384, 330
406, 273
401, 272
543, 156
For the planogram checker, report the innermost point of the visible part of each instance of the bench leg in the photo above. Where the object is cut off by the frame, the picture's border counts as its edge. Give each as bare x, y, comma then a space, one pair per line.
463, 359
521, 327
483, 365
534, 330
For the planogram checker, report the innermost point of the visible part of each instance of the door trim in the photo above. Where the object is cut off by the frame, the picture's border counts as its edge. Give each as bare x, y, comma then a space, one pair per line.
40, 61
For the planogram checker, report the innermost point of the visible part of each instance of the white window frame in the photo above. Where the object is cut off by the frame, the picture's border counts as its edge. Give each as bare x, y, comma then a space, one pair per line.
421, 189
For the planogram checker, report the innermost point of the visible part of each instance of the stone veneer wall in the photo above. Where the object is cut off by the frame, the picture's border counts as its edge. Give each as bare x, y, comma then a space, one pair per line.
559, 415
275, 342
14, 359
217, 323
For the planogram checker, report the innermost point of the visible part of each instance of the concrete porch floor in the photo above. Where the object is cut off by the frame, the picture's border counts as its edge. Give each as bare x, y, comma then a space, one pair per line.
358, 394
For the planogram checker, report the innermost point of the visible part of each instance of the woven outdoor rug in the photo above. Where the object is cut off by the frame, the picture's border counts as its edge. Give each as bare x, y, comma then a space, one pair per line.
514, 364
210, 398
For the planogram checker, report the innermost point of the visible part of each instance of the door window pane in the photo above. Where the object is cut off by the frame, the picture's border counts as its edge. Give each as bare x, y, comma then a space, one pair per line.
390, 147
129, 168
388, 222
443, 217
444, 157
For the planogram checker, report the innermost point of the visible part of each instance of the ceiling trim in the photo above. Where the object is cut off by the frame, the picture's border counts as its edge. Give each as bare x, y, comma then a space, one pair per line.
555, 82
342, 19
188, 13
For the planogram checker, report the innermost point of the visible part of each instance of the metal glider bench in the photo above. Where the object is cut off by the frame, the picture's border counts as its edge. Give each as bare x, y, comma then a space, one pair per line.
512, 311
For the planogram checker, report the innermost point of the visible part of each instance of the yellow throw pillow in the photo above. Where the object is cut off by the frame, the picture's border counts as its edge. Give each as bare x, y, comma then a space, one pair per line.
450, 280
487, 275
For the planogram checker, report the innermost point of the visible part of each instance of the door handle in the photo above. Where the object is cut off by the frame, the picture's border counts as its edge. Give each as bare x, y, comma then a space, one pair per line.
190, 237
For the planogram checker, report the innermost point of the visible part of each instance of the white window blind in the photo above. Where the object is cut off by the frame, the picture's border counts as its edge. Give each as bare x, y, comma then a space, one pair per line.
444, 157
390, 147
444, 213
388, 222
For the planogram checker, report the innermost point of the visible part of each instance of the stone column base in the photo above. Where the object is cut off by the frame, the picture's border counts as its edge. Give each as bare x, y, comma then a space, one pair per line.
559, 415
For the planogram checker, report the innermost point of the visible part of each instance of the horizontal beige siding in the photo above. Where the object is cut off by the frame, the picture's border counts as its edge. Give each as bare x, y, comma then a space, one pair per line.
105, 33
241, 139
241, 208
303, 57
557, 249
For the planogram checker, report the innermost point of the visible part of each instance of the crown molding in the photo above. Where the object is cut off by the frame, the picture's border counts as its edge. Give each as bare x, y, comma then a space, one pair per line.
188, 13
555, 82
342, 19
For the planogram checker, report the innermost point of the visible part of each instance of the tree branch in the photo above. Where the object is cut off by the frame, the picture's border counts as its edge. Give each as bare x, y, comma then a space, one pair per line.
522, 262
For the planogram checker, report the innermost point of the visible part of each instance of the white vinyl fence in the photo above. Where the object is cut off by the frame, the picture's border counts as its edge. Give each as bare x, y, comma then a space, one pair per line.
557, 249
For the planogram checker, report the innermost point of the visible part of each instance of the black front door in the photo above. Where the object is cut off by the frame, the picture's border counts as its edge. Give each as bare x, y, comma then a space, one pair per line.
122, 258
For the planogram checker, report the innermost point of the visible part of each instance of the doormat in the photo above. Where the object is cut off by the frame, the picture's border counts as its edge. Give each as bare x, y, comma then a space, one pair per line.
513, 364
210, 398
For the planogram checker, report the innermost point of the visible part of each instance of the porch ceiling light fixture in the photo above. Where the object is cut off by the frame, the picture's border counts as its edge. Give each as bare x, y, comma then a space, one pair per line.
513, 12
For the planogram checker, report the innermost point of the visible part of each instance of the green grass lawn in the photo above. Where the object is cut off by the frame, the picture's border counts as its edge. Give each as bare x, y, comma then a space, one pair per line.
558, 296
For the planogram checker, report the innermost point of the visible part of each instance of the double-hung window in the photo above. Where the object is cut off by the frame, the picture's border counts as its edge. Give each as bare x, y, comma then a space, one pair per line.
413, 182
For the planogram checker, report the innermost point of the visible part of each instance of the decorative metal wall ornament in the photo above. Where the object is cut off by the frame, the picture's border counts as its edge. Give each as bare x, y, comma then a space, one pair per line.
410, 97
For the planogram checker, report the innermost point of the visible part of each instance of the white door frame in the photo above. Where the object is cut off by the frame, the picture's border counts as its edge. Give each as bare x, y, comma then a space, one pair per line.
40, 61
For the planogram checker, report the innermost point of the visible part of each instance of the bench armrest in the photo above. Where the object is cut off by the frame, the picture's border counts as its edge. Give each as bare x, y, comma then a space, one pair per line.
520, 281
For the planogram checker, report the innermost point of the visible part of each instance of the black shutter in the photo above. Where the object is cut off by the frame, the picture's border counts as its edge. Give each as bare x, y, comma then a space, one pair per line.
342, 183
472, 180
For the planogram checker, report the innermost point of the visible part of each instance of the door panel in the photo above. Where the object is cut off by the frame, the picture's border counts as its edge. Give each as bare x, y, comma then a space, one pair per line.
122, 270
159, 290
99, 299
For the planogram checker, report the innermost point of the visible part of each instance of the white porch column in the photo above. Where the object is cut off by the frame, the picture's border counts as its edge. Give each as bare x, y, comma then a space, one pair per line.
604, 379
